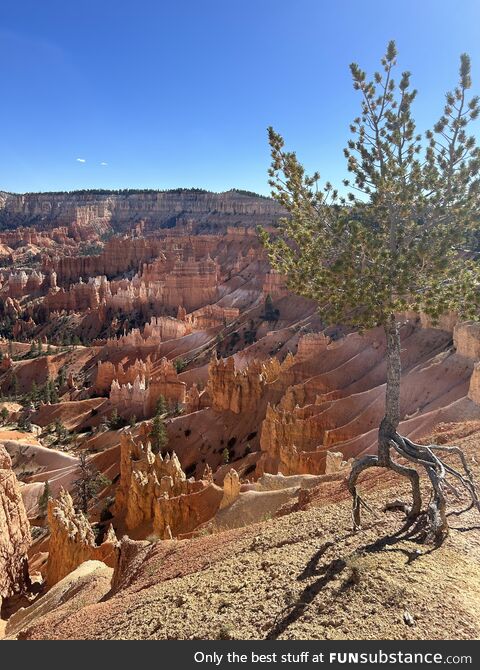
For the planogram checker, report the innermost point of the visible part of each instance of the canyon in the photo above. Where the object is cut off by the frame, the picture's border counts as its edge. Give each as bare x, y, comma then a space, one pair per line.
170, 408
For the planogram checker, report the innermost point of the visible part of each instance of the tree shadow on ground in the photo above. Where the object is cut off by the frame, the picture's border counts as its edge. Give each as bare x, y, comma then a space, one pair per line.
414, 530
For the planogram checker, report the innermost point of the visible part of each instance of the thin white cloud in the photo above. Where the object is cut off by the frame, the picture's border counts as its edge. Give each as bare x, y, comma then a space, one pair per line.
103, 163
81, 160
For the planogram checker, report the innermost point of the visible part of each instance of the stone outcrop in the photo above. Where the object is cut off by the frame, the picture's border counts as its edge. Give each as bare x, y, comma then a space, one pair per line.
72, 540
188, 209
240, 390
163, 328
193, 400
446, 322
164, 382
289, 441
129, 399
275, 285
231, 488
474, 389
311, 344
14, 532
108, 372
120, 255
334, 462
154, 495
466, 339
211, 316
140, 398
190, 283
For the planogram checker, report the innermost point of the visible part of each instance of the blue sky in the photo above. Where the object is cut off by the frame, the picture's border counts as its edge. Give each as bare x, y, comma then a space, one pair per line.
180, 93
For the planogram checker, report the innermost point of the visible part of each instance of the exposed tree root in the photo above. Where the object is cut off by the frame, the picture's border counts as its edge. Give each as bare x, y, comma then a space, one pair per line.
436, 469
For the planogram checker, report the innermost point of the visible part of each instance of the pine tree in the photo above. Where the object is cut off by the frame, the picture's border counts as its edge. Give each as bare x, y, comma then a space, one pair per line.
43, 499
34, 391
114, 421
47, 398
62, 377
4, 415
158, 434
89, 483
270, 313
399, 241
60, 430
53, 391
161, 406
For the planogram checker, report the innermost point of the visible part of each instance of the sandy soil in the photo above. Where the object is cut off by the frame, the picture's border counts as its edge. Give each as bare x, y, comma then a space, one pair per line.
305, 575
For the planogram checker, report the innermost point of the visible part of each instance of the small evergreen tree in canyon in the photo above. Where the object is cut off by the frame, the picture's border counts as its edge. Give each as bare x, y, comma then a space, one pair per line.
44, 498
401, 240
158, 432
89, 483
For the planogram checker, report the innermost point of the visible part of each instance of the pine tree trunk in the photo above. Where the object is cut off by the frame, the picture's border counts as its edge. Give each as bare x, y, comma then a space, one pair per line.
390, 421
418, 454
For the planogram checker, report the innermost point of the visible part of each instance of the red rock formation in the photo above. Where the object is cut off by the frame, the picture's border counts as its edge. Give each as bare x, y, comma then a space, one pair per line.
72, 540
212, 316
162, 328
275, 285
119, 255
164, 382
154, 494
474, 388
143, 210
190, 283
466, 339
17, 283
231, 488
192, 399
240, 390
79, 297
129, 399
158, 330
108, 372
311, 344
14, 532
140, 398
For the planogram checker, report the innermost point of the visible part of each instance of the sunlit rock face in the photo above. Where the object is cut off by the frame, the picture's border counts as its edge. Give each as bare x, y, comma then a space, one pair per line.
14, 532
466, 339
118, 300
474, 388
155, 496
72, 540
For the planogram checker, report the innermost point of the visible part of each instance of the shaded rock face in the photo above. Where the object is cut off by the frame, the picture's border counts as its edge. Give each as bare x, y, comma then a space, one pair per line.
154, 495
14, 532
72, 540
